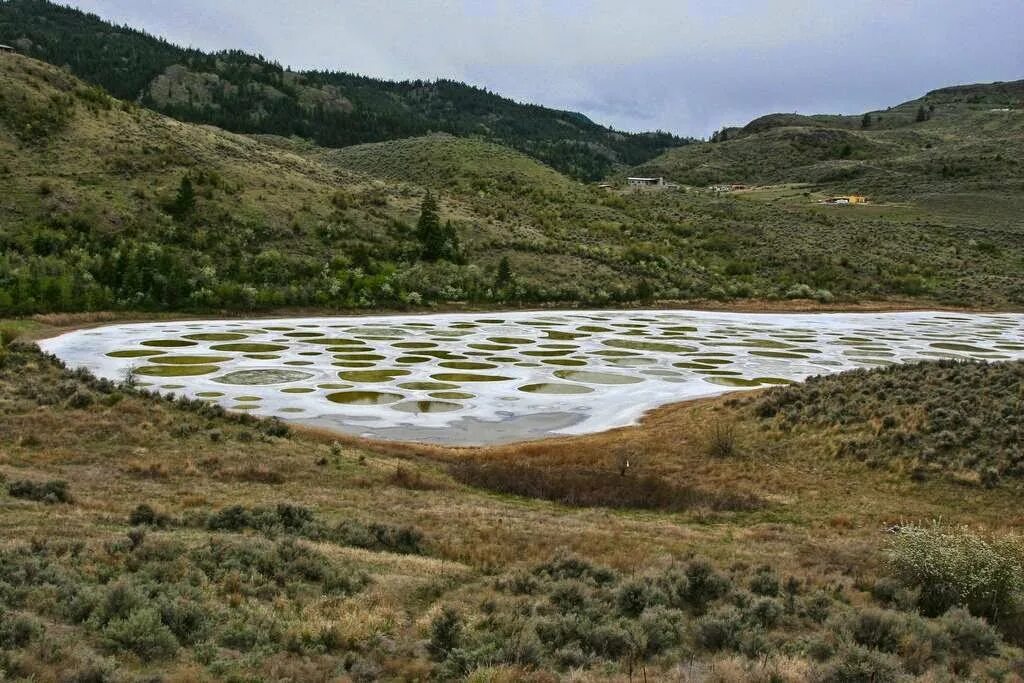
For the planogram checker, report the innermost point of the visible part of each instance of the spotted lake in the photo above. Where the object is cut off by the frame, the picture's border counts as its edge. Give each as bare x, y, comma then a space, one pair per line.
492, 378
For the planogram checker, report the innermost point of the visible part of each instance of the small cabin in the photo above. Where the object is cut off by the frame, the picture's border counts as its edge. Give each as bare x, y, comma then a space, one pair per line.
847, 199
646, 183
6, 48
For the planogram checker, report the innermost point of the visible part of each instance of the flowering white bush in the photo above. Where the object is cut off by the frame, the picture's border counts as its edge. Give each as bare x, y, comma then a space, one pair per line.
954, 567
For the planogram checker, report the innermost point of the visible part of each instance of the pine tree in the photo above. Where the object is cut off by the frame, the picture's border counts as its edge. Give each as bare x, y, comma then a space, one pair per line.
504, 277
429, 231
922, 114
185, 201
865, 121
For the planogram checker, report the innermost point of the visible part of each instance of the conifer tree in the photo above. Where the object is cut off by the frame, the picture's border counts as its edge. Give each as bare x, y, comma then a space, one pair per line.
504, 277
436, 241
185, 201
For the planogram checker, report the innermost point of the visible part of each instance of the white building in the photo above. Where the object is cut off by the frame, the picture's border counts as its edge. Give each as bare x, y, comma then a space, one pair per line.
645, 182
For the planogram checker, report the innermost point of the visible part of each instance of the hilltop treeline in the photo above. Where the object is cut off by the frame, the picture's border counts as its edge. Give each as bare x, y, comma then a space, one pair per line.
250, 94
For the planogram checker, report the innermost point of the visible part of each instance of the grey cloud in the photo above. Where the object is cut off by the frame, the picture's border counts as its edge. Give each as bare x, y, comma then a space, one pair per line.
688, 67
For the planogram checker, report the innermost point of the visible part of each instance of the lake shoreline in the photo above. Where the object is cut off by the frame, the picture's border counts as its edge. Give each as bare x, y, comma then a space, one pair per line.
56, 324
594, 379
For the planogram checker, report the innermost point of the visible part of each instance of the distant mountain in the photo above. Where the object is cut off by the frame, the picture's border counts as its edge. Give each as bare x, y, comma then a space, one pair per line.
250, 94
961, 138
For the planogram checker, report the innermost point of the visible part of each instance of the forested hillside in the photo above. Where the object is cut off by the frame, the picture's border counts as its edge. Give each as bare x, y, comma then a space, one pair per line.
249, 94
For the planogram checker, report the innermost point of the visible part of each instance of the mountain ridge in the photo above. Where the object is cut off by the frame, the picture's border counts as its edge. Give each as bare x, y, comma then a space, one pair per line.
247, 93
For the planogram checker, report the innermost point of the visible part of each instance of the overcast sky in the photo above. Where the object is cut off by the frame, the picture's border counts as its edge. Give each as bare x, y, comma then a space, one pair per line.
688, 66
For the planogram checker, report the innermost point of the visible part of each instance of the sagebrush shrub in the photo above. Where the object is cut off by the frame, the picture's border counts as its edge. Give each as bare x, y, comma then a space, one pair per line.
861, 665
55, 491
143, 634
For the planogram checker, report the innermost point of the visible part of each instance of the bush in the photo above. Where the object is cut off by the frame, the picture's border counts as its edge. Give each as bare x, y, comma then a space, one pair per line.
145, 515
49, 492
445, 633
16, 632
662, 629
636, 596
722, 440
971, 637
143, 634
765, 582
703, 585
720, 629
877, 629
954, 568
861, 665
766, 611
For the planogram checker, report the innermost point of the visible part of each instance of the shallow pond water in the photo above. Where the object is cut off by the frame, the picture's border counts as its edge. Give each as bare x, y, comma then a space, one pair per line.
469, 379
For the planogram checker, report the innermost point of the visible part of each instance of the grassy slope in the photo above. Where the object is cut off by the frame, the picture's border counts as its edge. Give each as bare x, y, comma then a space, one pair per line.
923, 419
820, 520
245, 93
968, 144
283, 222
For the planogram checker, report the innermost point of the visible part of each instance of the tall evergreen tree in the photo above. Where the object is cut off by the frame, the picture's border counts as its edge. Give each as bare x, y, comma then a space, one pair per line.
428, 228
185, 201
504, 277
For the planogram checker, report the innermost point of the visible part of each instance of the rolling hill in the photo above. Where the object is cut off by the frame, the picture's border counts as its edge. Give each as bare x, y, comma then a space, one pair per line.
249, 94
113, 206
960, 139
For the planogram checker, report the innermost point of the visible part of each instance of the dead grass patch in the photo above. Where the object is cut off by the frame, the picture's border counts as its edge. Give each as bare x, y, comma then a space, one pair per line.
596, 488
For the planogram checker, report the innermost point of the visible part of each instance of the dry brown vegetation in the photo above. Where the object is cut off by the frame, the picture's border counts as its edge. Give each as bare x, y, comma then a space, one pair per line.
380, 562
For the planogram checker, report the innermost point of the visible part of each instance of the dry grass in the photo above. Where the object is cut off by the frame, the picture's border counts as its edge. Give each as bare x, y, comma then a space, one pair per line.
820, 519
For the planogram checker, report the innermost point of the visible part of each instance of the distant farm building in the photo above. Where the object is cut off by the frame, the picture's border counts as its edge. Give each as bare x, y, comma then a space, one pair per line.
6, 48
847, 199
646, 183
728, 188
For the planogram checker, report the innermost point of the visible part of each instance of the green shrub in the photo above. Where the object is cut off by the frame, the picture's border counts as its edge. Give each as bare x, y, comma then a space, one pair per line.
17, 631
49, 492
971, 637
637, 595
766, 612
720, 629
877, 629
861, 665
145, 515
143, 634
703, 585
445, 633
953, 567
662, 629
817, 606
765, 582
608, 641
571, 567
